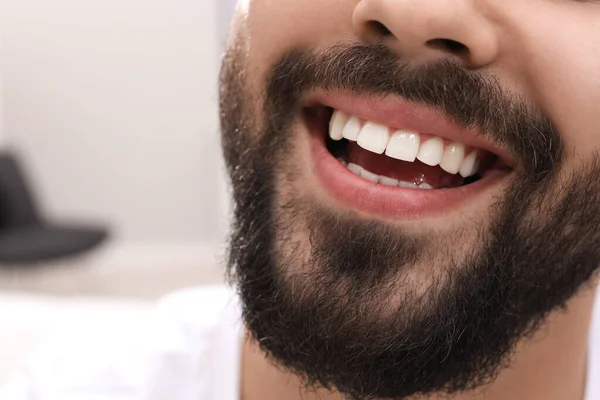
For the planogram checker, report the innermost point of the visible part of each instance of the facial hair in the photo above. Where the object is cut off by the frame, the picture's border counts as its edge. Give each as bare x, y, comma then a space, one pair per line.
331, 324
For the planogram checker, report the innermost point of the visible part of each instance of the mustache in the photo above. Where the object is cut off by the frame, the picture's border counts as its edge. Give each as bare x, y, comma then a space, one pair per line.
474, 99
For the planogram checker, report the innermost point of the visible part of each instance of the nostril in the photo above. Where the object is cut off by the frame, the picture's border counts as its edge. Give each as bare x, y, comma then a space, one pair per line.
448, 45
378, 28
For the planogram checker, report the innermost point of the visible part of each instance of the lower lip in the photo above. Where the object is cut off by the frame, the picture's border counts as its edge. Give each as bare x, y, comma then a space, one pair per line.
391, 202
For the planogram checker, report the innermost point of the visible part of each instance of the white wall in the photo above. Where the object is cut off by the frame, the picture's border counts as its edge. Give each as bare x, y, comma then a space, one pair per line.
113, 106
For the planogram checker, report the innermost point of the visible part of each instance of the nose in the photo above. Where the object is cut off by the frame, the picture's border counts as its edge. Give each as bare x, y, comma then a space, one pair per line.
425, 30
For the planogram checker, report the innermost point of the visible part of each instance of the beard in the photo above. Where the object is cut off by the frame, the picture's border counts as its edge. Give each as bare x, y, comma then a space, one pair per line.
332, 297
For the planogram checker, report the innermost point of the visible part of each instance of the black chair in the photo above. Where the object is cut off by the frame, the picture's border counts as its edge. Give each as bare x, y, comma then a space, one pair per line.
25, 238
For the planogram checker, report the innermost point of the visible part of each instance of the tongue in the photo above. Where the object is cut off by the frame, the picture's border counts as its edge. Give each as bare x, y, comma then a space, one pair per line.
414, 172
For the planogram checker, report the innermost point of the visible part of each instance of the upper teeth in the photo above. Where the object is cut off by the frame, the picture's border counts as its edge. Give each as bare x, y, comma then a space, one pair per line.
404, 145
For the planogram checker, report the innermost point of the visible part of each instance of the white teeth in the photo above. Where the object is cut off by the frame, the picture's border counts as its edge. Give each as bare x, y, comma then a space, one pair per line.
374, 137
384, 180
453, 157
355, 168
336, 125
468, 165
369, 175
406, 184
352, 129
403, 145
430, 152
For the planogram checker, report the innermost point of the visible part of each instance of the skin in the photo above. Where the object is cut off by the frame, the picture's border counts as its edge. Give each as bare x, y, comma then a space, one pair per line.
541, 50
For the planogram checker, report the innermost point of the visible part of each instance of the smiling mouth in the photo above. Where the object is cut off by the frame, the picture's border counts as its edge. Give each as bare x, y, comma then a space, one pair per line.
396, 170
404, 158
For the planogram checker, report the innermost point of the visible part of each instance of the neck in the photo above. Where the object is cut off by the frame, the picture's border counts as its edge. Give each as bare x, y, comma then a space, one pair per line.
551, 365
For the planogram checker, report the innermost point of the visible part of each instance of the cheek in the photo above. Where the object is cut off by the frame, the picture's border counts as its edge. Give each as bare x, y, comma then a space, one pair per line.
278, 26
560, 55
571, 83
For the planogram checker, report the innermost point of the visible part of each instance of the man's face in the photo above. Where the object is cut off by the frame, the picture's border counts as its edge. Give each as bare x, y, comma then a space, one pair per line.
417, 184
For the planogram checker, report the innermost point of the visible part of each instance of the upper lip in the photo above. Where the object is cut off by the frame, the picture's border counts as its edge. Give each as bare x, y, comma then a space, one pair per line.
398, 113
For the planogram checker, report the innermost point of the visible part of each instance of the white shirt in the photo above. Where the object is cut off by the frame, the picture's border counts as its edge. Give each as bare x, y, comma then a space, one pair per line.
189, 349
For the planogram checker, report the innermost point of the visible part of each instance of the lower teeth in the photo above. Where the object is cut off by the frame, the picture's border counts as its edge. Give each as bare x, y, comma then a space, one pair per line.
384, 180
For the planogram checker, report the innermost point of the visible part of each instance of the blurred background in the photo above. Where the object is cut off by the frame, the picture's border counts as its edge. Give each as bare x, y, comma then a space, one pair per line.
112, 190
